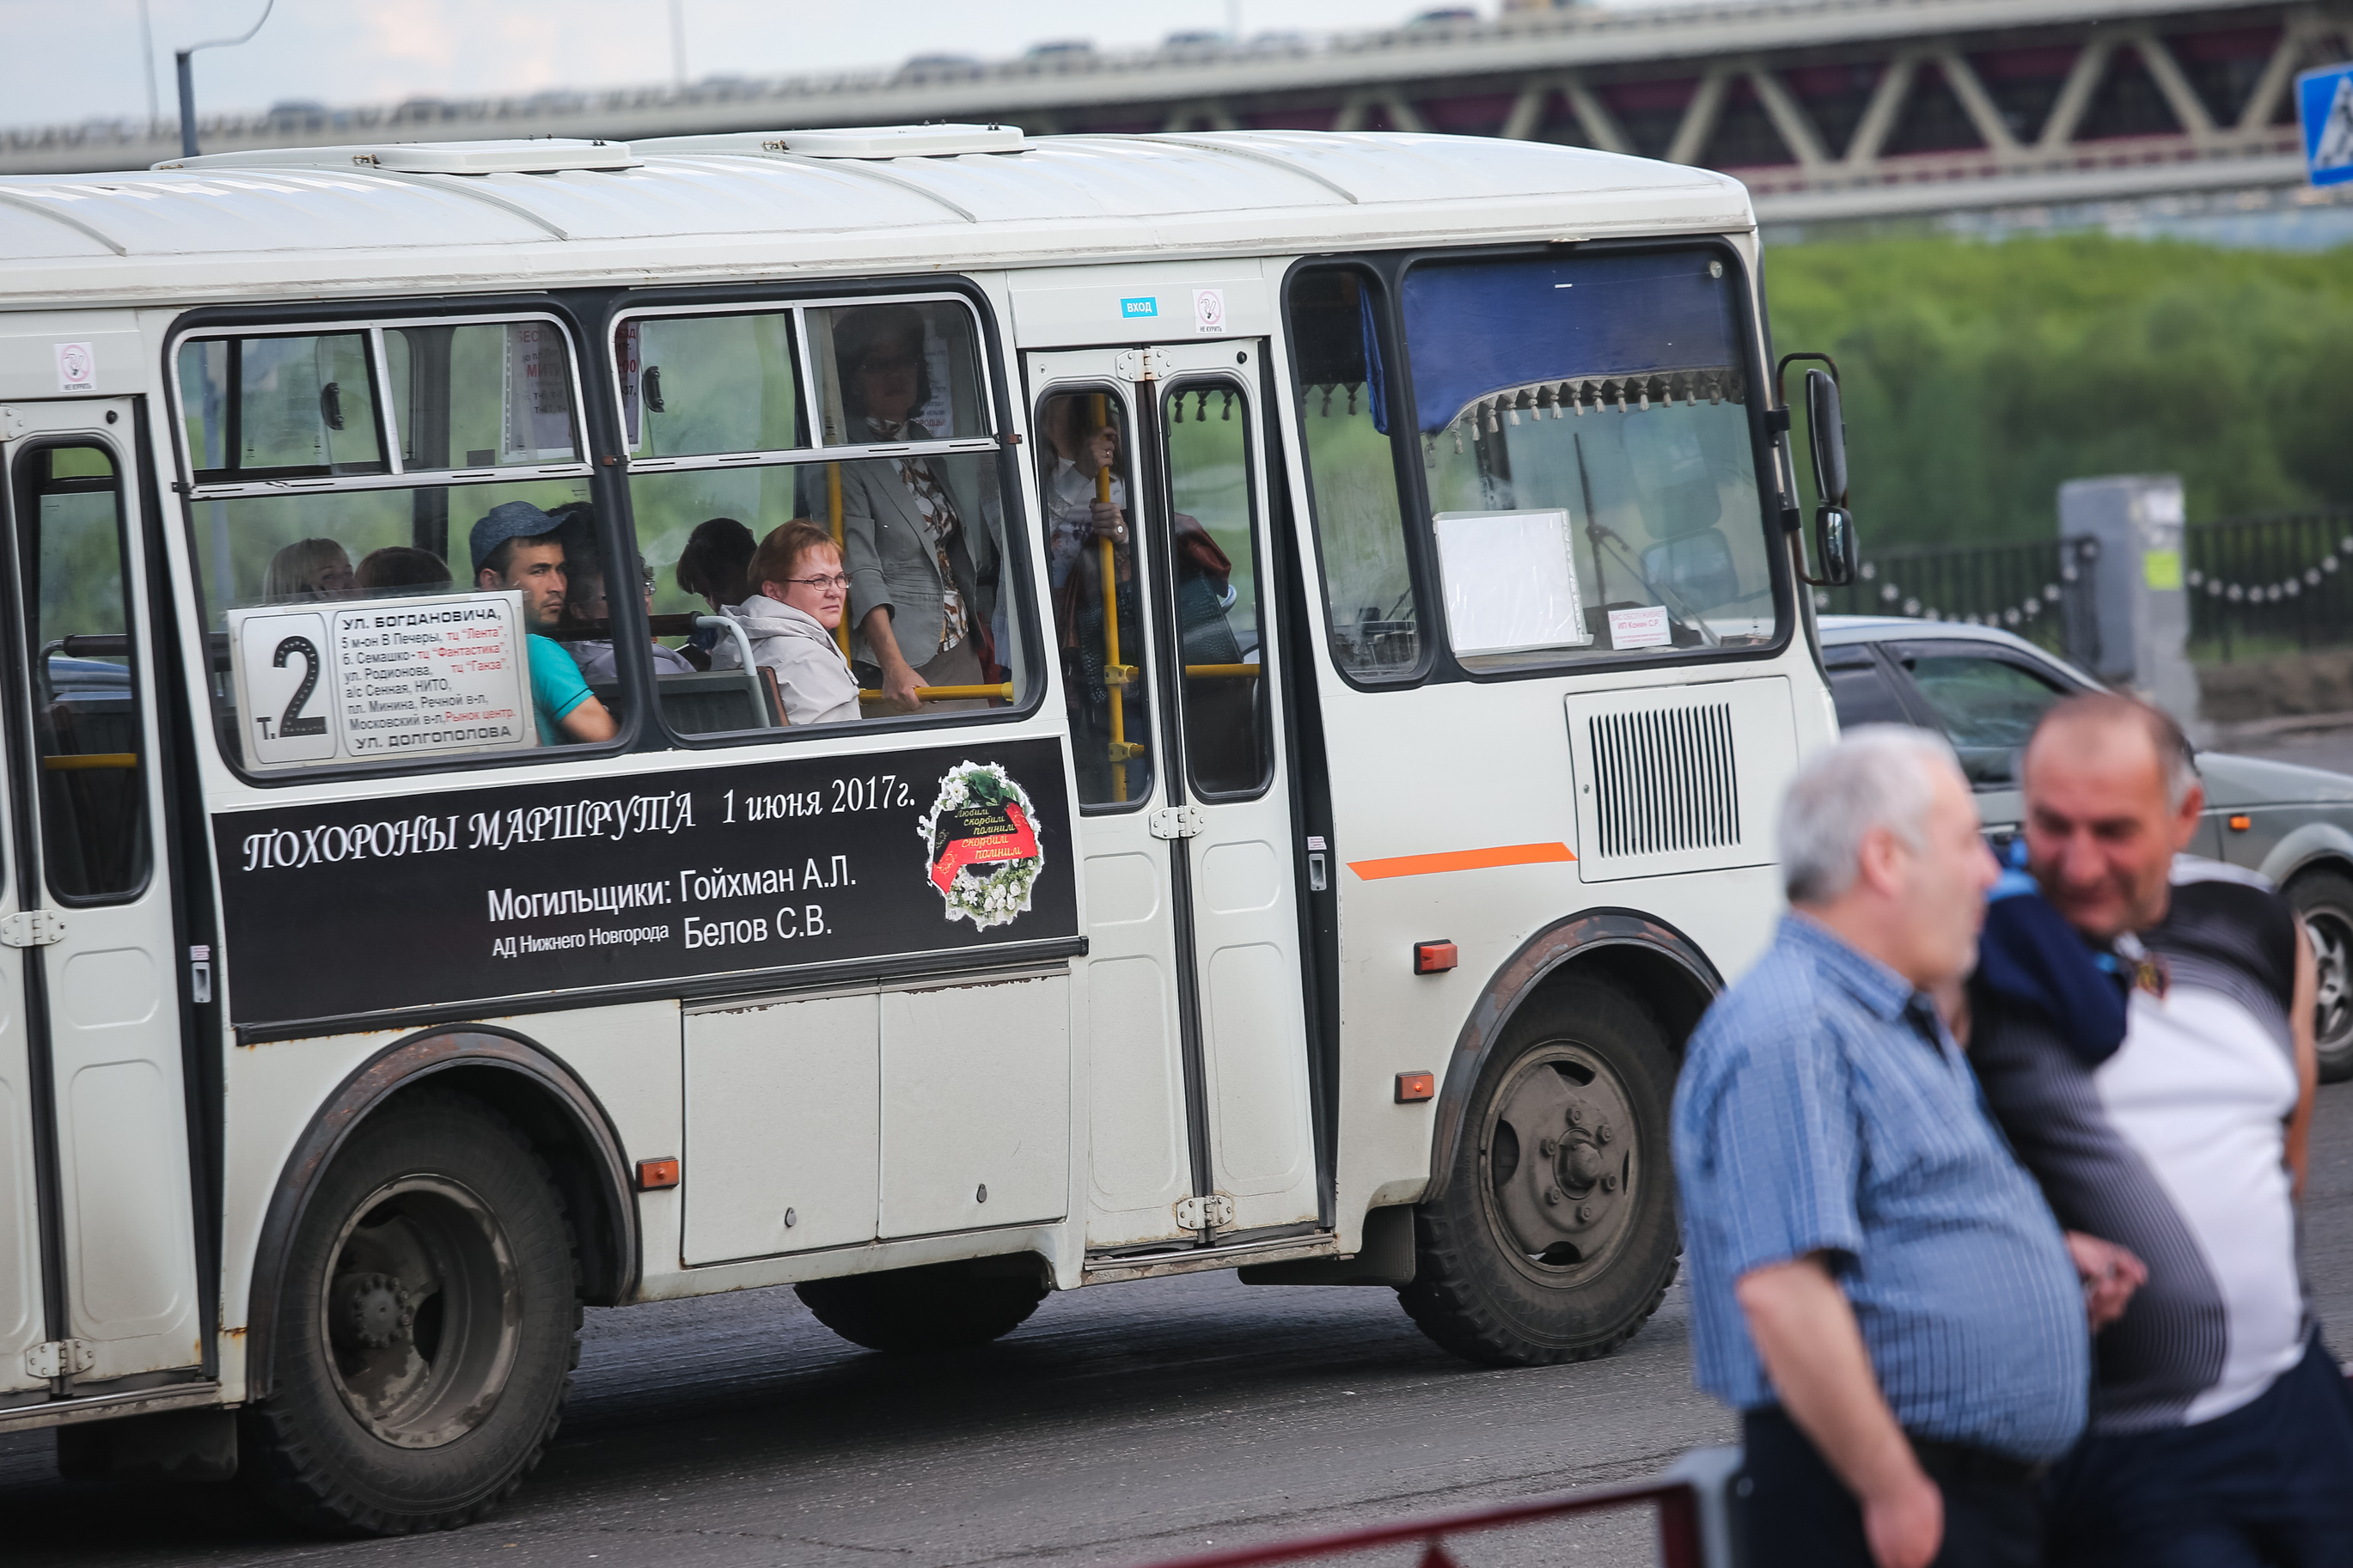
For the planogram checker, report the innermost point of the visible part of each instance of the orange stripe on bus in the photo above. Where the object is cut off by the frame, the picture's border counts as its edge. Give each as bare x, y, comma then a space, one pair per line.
1461, 860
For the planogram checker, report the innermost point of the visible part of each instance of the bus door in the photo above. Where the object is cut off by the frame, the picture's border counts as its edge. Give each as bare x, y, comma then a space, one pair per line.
97, 1268
1153, 493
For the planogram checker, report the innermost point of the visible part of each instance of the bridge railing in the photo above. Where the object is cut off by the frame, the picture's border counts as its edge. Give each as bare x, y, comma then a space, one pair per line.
1689, 1504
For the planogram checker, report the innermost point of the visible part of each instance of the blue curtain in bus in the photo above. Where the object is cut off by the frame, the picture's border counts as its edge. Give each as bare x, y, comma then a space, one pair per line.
1474, 328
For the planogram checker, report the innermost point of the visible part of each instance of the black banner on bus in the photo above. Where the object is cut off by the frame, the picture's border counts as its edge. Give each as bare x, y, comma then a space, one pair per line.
342, 910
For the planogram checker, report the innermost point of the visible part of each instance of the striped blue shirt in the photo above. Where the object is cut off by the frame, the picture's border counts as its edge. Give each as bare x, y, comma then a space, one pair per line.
1822, 1108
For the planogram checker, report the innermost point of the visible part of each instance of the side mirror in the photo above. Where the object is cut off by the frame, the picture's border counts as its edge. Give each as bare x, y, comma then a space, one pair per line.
1835, 546
1827, 430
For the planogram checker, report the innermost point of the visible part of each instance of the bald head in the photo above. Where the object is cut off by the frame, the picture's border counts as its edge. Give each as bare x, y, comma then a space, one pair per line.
2106, 721
2111, 795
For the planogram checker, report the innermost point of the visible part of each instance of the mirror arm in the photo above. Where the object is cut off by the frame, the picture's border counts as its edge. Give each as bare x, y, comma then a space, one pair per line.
1781, 382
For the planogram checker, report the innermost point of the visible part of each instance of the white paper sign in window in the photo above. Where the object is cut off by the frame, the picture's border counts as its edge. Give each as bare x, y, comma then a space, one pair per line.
1510, 580
349, 680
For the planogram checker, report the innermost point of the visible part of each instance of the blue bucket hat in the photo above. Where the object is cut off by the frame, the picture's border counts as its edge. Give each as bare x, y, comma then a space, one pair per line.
508, 520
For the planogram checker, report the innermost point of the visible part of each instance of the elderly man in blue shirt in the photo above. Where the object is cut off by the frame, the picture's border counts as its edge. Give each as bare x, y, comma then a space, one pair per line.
1876, 1285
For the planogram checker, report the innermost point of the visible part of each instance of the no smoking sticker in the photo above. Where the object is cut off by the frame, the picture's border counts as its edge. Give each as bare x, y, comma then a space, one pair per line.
77, 368
1209, 309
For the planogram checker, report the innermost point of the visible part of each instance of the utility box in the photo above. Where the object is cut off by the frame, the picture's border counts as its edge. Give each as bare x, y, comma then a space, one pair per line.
2139, 606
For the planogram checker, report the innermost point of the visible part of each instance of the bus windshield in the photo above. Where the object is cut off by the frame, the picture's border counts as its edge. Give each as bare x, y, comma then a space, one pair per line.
1592, 477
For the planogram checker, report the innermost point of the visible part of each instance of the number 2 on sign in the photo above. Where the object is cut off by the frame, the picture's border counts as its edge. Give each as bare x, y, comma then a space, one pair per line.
292, 722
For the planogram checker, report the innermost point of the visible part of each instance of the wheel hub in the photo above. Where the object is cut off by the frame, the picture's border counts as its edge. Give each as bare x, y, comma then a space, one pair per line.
1560, 1163
2329, 941
421, 1312
371, 1311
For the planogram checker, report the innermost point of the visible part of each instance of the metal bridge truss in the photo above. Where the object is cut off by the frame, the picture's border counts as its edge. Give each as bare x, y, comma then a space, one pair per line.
1825, 108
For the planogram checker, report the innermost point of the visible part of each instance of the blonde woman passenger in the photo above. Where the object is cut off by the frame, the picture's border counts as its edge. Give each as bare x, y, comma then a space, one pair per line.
308, 568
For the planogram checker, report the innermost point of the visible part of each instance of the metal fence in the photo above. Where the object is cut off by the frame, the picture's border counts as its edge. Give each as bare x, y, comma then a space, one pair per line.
2258, 586
1689, 1522
2261, 586
2031, 589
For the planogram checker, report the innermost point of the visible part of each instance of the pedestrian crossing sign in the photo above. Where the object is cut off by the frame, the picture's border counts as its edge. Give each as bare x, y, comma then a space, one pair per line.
2324, 100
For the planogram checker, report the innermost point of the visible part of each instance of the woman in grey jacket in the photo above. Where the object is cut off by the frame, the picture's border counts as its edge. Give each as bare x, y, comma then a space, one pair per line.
790, 619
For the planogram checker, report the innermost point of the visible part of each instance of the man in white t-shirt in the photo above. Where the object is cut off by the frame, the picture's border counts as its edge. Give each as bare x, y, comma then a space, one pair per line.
2141, 1022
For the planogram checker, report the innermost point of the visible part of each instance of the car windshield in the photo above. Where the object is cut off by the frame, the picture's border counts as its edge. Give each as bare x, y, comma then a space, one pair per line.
1592, 472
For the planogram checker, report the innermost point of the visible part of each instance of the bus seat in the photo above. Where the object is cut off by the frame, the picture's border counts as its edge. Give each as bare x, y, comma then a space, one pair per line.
706, 702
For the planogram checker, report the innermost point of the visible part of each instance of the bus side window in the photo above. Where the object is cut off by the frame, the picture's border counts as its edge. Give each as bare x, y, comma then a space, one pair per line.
85, 686
1352, 484
1092, 580
872, 423
484, 413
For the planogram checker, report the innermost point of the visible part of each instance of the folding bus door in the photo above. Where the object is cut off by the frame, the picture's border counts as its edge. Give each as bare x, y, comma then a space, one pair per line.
1199, 1112
93, 1112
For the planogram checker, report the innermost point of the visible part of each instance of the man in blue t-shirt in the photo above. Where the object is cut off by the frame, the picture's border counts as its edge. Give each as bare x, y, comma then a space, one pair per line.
515, 547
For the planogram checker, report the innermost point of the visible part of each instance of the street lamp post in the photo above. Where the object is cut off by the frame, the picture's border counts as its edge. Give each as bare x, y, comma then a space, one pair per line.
188, 79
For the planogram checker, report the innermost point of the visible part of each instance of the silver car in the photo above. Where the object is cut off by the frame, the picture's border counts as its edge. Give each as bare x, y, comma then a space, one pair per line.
1984, 688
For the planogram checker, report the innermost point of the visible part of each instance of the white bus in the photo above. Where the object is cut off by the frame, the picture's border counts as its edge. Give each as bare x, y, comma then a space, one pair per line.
1330, 610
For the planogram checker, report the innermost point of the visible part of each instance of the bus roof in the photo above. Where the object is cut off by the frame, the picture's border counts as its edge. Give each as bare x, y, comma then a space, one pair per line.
317, 222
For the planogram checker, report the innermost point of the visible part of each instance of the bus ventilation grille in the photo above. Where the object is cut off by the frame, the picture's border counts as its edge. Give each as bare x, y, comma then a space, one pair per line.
1663, 779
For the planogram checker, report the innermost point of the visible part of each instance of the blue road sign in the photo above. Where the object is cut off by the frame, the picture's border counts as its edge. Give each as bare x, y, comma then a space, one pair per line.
2324, 100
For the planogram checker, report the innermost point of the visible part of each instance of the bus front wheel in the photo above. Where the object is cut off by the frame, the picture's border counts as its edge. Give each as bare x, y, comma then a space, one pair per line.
1553, 1237
428, 1322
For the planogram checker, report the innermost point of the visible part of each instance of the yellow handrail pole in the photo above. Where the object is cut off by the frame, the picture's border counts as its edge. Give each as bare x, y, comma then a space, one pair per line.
1003, 690
833, 507
1107, 558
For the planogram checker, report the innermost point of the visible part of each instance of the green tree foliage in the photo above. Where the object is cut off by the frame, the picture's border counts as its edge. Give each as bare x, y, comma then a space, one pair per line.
1977, 377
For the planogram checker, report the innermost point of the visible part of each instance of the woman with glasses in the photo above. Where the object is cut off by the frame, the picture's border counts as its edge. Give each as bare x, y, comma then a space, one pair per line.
790, 619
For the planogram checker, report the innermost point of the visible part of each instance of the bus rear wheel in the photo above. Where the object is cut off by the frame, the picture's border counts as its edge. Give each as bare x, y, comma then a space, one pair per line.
1554, 1238
937, 1306
428, 1322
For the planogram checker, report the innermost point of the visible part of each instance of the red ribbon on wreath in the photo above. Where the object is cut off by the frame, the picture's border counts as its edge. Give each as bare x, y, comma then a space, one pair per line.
1019, 841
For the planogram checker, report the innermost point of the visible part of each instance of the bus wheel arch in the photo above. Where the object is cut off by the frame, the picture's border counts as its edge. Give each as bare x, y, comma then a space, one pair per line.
1548, 1231
513, 1076
1637, 952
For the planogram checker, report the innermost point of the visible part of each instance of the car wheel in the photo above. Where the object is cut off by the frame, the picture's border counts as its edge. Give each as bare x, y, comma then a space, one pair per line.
429, 1323
2325, 899
1555, 1236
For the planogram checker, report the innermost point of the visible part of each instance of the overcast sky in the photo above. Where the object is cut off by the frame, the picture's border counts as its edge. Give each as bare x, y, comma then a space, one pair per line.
65, 61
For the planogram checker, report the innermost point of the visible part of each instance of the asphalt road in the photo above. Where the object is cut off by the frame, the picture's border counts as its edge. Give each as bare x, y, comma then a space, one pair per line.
1122, 1424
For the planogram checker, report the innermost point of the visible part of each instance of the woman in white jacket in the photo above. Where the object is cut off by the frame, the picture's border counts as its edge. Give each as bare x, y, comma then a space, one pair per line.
798, 600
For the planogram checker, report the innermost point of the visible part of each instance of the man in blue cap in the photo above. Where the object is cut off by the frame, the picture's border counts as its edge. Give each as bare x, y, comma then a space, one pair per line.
516, 548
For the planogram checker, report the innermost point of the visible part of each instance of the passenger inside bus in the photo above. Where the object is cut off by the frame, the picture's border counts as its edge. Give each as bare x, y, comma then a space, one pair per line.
308, 568
712, 566
790, 620
518, 547
1080, 453
402, 569
585, 601
921, 558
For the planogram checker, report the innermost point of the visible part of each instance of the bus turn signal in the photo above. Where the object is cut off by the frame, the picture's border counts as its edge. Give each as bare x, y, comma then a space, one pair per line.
1415, 1086
653, 1175
1432, 957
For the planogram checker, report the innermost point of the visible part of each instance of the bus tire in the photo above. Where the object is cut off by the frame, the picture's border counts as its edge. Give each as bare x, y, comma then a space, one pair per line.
937, 1306
429, 1321
1553, 1237
2325, 900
